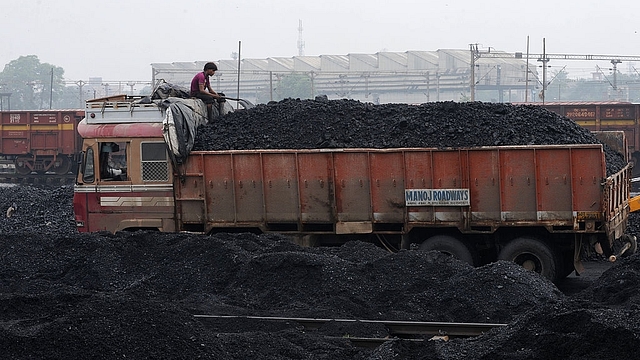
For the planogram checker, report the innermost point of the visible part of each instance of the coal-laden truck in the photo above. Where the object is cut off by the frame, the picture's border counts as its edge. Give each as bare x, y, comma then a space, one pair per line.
541, 206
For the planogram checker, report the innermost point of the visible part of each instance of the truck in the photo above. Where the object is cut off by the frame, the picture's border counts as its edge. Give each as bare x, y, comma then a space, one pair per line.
541, 206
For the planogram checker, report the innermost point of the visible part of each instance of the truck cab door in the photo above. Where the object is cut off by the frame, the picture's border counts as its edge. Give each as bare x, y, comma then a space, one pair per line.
85, 191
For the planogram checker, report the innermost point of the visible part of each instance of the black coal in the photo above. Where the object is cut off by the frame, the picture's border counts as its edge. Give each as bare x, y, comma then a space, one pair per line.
133, 295
309, 124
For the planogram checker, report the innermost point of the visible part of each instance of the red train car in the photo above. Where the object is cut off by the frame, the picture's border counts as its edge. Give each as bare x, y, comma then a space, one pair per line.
40, 141
605, 116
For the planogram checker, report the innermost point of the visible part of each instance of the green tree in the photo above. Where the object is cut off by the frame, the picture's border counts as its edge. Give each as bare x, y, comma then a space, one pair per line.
296, 86
69, 98
292, 85
29, 82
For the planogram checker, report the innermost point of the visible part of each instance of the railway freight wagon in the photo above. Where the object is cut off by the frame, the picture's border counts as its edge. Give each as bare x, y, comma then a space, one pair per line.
536, 205
39, 141
606, 116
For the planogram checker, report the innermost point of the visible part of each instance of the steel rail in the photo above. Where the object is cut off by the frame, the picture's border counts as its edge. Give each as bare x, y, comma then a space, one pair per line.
48, 178
454, 329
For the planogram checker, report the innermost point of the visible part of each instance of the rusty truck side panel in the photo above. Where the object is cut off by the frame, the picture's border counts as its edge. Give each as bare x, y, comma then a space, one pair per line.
357, 191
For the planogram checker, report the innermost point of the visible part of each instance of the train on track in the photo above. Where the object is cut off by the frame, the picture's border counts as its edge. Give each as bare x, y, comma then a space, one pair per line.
605, 116
39, 144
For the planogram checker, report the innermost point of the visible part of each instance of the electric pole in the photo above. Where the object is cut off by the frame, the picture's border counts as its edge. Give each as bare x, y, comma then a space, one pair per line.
300, 41
544, 59
80, 84
615, 63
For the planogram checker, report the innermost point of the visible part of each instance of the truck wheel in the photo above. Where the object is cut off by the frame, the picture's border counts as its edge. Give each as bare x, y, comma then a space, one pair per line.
619, 243
634, 245
532, 254
450, 246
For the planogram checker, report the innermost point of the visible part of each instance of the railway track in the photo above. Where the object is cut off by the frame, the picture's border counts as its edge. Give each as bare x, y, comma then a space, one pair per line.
405, 330
38, 179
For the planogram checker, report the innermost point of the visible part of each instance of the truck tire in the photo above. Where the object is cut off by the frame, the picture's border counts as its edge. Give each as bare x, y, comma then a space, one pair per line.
634, 245
620, 242
450, 246
532, 254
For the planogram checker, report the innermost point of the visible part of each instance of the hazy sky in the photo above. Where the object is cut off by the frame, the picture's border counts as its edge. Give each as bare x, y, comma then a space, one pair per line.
119, 39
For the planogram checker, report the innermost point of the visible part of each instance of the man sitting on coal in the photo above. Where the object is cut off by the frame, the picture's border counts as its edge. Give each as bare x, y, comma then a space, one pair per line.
201, 88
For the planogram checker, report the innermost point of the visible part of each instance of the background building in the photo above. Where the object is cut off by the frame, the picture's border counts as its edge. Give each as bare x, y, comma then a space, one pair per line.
384, 77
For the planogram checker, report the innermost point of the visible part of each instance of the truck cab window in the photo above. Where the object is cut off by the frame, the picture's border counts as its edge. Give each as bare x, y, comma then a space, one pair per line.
88, 172
155, 166
113, 161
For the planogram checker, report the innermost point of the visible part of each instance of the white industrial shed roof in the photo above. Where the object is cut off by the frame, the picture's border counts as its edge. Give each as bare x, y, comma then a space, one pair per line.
443, 60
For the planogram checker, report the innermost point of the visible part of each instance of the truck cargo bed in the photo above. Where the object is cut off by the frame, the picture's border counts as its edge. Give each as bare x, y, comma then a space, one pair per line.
480, 189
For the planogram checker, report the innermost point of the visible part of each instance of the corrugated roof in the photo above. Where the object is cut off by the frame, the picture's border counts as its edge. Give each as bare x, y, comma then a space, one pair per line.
422, 60
280, 64
334, 62
363, 62
461, 55
392, 61
306, 63
228, 65
443, 61
254, 64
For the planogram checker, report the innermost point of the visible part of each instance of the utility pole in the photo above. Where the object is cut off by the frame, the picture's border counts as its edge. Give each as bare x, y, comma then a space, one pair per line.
437, 86
239, 62
544, 59
106, 89
615, 63
131, 84
51, 91
472, 81
312, 76
526, 76
300, 41
80, 84
498, 84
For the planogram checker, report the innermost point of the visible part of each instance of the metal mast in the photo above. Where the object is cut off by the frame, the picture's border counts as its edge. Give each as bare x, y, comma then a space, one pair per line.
300, 41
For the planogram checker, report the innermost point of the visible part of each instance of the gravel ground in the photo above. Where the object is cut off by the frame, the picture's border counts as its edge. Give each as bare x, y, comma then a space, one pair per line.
133, 295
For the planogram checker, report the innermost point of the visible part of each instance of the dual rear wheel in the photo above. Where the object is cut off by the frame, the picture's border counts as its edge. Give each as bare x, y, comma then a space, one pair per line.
450, 246
528, 252
533, 255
